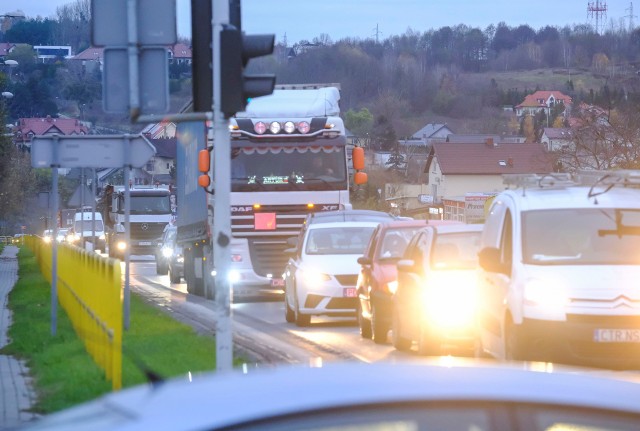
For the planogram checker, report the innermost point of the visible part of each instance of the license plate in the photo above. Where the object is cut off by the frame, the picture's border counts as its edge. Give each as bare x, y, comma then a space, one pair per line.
144, 243
277, 282
349, 292
616, 335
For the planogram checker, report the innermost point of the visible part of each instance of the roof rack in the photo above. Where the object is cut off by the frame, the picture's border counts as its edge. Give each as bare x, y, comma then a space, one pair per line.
546, 181
623, 178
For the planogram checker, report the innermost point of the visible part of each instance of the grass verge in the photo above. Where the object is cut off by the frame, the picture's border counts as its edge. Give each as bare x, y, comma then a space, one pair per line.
64, 374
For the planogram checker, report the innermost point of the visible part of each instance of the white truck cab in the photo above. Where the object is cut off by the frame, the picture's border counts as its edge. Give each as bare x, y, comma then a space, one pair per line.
559, 273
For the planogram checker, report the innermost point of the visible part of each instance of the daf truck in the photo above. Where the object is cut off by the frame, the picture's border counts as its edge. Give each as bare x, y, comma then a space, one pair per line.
289, 158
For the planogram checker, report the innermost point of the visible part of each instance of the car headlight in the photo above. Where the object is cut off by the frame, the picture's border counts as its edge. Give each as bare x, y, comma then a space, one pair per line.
392, 286
313, 277
47, 239
180, 259
167, 251
121, 245
450, 298
545, 293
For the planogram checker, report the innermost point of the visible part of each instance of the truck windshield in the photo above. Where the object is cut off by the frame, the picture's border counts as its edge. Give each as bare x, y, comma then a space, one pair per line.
150, 205
86, 225
581, 236
286, 168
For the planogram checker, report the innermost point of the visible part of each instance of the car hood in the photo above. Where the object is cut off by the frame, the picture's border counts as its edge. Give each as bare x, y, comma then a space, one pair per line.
333, 264
592, 282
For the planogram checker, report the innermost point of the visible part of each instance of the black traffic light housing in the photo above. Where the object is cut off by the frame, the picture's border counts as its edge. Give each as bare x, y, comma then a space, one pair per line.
236, 49
202, 62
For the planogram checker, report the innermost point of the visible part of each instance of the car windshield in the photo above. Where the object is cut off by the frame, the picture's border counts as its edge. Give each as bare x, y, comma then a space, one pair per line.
395, 241
338, 240
455, 251
584, 236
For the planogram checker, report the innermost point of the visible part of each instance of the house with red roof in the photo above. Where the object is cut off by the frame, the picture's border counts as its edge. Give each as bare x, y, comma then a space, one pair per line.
458, 169
27, 128
543, 101
6, 48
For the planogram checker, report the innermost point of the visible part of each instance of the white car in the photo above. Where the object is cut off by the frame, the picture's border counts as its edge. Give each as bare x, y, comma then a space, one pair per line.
320, 279
446, 394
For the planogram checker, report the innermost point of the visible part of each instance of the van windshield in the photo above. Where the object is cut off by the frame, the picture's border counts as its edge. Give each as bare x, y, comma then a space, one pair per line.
86, 225
581, 236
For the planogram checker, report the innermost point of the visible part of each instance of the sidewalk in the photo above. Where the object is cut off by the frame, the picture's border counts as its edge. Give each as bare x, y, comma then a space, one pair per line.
16, 393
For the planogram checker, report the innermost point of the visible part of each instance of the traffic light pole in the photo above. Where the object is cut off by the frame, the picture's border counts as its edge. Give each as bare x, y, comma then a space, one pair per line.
221, 165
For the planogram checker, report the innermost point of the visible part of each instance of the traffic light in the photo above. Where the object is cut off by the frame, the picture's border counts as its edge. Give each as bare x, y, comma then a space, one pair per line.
201, 68
236, 49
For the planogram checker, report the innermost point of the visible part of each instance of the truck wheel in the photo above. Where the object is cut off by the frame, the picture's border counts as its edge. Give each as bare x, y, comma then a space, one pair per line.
174, 277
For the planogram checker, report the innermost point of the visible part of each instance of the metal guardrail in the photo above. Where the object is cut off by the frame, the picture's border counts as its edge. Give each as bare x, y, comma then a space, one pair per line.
89, 290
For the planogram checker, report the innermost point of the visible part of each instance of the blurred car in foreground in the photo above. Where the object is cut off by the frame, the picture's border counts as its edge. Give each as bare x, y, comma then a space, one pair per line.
444, 394
47, 235
320, 277
435, 301
377, 280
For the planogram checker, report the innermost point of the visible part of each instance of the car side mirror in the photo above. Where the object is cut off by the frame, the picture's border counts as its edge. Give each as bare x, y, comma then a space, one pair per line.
406, 265
489, 260
364, 260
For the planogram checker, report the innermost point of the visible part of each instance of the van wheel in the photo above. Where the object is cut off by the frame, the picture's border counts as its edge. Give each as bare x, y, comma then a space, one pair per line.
514, 349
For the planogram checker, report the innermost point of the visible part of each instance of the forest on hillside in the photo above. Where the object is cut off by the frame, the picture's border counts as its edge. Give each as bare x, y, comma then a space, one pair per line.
390, 88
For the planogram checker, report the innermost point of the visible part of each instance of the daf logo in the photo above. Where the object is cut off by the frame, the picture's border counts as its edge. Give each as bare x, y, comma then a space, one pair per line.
246, 209
329, 207
144, 226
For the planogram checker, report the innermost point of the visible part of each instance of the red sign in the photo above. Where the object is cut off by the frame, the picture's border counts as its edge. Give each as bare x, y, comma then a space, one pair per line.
265, 221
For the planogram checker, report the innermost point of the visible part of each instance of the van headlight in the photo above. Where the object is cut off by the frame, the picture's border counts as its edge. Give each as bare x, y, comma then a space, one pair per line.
167, 251
545, 293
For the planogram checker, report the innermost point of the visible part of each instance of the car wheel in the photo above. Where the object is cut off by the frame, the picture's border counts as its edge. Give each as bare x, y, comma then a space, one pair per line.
174, 277
379, 328
301, 319
427, 345
399, 342
289, 313
513, 344
364, 324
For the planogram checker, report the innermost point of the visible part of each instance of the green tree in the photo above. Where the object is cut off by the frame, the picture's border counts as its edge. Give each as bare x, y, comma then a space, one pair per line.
359, 122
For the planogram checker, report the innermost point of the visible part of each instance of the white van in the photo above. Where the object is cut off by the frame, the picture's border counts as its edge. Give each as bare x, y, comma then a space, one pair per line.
560, 271
85, 224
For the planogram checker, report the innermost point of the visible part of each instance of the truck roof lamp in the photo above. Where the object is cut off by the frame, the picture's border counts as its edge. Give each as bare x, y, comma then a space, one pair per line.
260, 128
303, 127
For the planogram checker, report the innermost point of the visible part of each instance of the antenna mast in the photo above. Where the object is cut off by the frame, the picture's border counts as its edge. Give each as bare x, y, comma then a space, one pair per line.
598, 10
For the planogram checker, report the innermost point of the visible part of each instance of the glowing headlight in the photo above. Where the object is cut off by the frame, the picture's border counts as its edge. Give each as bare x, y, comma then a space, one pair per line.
102, 237
121, 245
392, 286
167, 251
260, 128
313, 277
303, 127
71, 238
450, 299
289, 127
275, 127
545, 293
47, 239
180, 259
234, 276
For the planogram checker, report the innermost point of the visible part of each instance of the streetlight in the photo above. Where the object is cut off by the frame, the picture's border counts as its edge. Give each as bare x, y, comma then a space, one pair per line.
7, 94
11, 64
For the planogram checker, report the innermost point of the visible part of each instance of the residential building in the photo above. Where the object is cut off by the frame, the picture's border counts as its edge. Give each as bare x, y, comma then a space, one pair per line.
26, 128
90, 59
180, 54
160, 165
556, 139
543, 101
482, 138
5, 49
49, 53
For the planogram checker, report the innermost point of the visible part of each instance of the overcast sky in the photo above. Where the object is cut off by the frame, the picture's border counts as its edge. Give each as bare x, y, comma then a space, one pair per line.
306, 19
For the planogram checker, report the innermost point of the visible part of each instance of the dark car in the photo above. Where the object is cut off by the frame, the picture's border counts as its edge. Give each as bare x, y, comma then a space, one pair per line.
169, 256
377, 278
435, 302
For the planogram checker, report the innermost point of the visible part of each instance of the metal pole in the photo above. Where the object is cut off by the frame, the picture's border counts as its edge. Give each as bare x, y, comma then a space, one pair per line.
54, 242
93, 208
132, 50
127, 228
221, 228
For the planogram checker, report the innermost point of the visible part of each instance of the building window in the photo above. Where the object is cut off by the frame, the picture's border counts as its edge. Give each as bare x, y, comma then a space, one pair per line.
167, 165
149, 167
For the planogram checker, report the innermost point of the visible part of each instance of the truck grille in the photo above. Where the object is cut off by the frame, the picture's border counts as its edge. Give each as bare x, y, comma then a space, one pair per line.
153, 230
267, 255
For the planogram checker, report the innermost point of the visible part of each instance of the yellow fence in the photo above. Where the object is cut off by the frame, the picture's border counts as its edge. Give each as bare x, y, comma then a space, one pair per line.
90, 291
